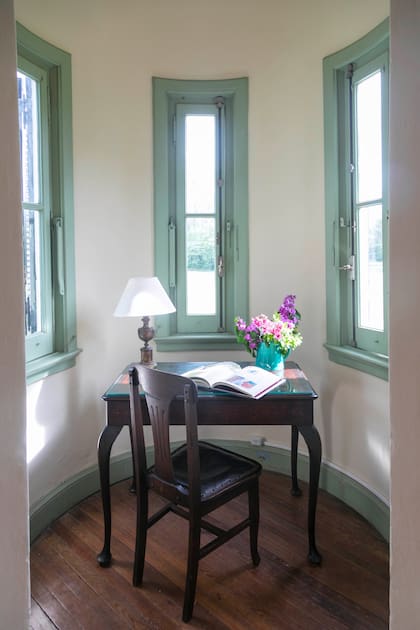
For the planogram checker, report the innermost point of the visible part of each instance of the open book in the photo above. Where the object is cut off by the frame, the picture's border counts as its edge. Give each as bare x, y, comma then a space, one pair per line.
250, 381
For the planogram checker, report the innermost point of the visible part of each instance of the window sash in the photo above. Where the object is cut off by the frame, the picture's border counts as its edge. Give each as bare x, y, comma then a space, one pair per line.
56, 66
370, 338
175, 332
338, 201
37, 251
187, 278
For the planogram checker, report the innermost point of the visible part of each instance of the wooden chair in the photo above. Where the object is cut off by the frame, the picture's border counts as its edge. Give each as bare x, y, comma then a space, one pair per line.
196, 478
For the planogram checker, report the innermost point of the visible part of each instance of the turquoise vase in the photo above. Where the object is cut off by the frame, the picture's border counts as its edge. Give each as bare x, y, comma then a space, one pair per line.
270, 358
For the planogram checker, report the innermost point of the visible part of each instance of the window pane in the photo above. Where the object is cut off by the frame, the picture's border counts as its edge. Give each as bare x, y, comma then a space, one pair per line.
200, 152
28, 97
201, 266
32, 270
371, 301
369, 138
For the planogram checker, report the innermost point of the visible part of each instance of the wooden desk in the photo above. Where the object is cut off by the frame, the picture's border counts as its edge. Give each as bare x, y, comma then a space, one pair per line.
291, 404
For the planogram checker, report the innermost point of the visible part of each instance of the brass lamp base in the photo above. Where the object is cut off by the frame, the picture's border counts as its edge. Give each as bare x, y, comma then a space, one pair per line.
146, 356
146, 334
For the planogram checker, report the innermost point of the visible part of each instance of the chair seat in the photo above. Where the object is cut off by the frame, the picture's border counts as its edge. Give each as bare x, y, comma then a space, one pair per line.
219, 469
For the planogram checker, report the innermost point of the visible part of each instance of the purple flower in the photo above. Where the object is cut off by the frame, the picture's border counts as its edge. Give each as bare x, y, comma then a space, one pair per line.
282, 330
287, 310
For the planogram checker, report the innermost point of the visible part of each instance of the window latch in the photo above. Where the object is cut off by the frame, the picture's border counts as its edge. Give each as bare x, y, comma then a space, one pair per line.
349, 267
220, 267
350, 224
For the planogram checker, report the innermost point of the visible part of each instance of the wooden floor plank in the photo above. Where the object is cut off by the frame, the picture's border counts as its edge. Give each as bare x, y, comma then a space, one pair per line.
349, 590
39, 620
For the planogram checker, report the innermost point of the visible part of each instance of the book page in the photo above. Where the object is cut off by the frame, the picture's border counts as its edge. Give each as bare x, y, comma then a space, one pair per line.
213, 373
252, 381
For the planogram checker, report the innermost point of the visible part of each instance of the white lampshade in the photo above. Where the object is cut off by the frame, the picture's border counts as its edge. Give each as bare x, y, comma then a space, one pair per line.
144, 296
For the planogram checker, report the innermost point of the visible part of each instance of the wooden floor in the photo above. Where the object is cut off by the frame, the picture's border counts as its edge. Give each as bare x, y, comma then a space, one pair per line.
349, 590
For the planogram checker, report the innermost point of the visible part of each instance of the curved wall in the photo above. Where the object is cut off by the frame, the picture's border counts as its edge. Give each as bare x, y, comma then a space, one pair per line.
116, 48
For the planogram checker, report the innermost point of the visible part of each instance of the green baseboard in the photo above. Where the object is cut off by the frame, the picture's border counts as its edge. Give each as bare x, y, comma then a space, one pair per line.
337, 483
72, 491
80, 486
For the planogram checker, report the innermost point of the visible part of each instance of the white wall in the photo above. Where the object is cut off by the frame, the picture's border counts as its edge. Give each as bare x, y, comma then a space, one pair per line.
405, 305
116, 48
14, 573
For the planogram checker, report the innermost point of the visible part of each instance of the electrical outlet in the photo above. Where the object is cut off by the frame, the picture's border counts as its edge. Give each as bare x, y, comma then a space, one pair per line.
262, 456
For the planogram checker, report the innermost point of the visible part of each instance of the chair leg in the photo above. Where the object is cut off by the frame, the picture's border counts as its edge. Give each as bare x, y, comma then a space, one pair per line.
254, 517
141, 535
192, 568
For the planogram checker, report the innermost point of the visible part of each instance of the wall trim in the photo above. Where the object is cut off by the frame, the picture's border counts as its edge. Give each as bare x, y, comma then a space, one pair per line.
276, 459
72, 491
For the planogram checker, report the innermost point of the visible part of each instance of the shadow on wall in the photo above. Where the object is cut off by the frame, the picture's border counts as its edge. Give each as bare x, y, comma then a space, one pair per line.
355, 426
61, 429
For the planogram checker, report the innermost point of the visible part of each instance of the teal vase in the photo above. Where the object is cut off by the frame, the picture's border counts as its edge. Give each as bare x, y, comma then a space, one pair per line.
270, 358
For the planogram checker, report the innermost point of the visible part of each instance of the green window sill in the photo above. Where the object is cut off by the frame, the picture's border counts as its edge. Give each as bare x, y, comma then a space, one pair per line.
216, 341
51, 364
369, 362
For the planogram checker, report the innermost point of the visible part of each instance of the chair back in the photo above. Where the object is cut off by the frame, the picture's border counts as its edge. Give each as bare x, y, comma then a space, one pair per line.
165, 392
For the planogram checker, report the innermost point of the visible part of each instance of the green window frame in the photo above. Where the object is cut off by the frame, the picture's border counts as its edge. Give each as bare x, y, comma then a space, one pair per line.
54, 348
350, 246
227, 102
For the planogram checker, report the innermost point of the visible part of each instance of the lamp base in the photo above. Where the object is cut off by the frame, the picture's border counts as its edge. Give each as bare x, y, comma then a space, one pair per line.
146, 334
146, 357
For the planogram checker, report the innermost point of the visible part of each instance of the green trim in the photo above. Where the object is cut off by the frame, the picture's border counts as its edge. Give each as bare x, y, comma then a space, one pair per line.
374, 364
50, 364
72, 491
166, 93
339, 326
335, 482
217, 341
57, 63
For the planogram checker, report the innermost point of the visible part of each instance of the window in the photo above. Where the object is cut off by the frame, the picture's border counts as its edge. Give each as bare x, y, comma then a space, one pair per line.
44, 106
356, 177
201, 209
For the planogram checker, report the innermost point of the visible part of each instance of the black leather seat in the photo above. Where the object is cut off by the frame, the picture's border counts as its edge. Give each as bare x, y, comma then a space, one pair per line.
196, 478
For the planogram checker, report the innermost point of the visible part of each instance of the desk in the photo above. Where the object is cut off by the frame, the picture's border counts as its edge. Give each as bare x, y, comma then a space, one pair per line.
290, 404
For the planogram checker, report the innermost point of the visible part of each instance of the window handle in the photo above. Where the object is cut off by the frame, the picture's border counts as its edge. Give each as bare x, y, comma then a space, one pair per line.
59, 249
172, 255
349, 267
220, 267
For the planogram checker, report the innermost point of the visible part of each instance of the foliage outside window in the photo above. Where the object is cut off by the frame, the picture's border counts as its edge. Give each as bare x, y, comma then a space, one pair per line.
356, 177
45, 134
201, 209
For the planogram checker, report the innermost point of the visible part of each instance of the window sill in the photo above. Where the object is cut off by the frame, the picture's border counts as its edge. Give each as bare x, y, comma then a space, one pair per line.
216, 341
369, 362
51, 364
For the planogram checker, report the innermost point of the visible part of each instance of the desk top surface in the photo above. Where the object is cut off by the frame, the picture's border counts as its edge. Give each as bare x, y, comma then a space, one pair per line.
296, 384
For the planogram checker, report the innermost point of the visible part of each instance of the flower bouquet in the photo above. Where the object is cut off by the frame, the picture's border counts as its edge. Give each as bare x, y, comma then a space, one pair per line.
280, 334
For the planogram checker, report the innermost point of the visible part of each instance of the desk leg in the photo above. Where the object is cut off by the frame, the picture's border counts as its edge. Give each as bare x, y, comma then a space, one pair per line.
106, 440
295, 491
313, 442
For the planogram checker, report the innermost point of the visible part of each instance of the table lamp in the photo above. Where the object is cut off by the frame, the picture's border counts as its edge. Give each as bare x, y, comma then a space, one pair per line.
144, 297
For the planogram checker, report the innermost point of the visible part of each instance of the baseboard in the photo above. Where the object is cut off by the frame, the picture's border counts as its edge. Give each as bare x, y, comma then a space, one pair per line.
336, 482
72, 491
333, 480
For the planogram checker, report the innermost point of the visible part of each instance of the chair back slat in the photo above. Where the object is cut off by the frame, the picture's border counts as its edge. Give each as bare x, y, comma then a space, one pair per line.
159, 419
162, 391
